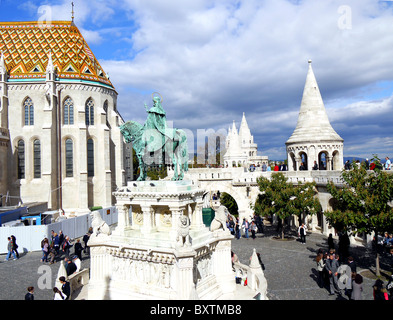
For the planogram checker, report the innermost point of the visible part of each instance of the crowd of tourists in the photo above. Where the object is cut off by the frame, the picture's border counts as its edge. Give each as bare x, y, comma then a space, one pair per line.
245, 227
330, 274
59, 247
59, 244
369, 165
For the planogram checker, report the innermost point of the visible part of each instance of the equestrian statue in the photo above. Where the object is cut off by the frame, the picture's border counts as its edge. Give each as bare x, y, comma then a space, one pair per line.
155, 143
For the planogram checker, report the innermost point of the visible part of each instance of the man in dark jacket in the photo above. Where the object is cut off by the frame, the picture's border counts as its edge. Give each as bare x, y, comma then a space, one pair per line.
65, 287
332, 268
70, 266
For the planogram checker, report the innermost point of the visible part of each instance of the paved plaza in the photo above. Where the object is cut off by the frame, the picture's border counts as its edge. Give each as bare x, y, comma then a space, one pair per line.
290, 269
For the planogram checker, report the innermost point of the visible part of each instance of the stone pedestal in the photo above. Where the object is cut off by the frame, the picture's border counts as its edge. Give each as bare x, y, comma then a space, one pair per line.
160, 248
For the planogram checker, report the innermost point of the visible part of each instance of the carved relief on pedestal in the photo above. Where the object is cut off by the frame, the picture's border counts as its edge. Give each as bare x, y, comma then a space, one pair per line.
202, 265
166, 218
142, 267
137, 215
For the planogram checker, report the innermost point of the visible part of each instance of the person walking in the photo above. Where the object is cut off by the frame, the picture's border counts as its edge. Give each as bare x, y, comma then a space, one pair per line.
302, 231
45, 249
15, 246
320, 269
357, 287
253, 229
237, 229
245, 227
78, 249
56, 243
66, 246
85, 239
65, 287
10, 250
332, 269
69, 266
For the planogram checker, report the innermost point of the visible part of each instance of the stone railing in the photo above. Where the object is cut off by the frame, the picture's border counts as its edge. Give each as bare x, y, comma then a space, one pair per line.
239, 176
256, 280
78, 280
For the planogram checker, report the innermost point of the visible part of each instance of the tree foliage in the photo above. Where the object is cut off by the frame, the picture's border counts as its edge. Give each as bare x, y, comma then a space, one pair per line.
363, 203
230, 203
281, 198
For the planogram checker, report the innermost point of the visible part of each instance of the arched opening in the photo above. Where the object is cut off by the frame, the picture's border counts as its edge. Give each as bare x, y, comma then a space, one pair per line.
21, 159
230, 203
69, 158
89, 112
303, 161
28, 106
37, 158
322, 160
292, 161
68, 111
336, 161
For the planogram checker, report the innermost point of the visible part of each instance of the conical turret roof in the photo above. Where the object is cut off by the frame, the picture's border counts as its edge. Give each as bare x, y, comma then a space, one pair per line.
313, 123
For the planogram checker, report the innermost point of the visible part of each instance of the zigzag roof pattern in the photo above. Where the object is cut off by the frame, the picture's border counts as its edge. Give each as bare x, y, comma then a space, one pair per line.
26, 47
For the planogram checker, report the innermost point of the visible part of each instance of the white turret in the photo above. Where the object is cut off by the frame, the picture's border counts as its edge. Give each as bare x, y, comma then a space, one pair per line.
241, 149
314, 139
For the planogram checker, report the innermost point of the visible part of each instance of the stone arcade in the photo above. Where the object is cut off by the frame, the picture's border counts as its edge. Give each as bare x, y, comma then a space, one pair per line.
160, 248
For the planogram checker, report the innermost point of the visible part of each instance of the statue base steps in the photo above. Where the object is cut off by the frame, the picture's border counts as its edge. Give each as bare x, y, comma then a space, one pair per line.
160, 248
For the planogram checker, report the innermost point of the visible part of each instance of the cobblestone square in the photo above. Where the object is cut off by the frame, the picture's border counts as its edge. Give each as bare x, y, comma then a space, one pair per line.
290, 268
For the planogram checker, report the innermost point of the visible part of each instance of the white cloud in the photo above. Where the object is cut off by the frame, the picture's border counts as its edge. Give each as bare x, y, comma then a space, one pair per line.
218, 59
213, 60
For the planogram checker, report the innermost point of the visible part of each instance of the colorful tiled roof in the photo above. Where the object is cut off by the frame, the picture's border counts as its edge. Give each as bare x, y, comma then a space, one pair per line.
26, 47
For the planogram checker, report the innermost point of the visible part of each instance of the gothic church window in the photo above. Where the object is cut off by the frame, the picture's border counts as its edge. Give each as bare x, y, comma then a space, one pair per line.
68, 111
37, 159
29, 111
89, 112
21, 159
69, 165
90, 158
106, 113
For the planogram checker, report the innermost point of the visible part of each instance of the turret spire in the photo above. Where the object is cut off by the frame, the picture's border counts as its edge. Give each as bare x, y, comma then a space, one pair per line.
313, 122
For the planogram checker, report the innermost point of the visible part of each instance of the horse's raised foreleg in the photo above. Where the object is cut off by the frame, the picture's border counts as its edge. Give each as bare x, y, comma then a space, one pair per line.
175, 174
142, 169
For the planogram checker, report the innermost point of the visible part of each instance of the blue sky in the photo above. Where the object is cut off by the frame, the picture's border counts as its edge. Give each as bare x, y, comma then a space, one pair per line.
212, 60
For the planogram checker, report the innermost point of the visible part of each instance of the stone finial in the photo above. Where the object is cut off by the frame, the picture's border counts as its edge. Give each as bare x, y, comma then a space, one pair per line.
254, 263
3, 69
49, 67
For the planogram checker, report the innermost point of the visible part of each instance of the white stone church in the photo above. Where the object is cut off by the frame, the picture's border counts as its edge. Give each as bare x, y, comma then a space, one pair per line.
59, 136
241, 150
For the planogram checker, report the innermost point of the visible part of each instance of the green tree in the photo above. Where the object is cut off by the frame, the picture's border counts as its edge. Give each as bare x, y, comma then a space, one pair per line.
157, 173
362, 203
227, 200
284, 199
